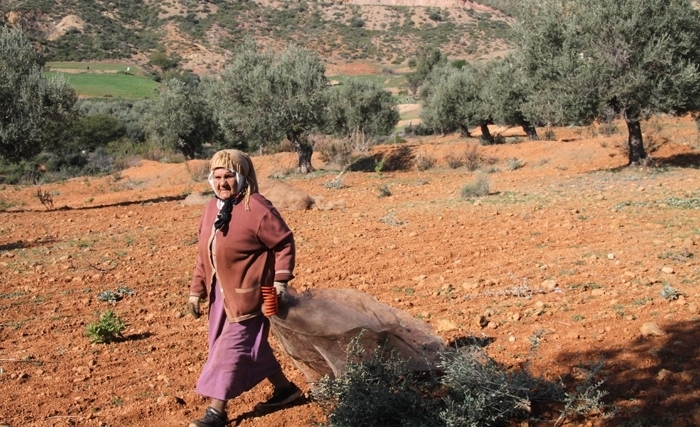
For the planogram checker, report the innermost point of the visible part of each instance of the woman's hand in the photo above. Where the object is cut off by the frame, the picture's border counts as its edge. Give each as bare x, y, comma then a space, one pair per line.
282, 295
194, 302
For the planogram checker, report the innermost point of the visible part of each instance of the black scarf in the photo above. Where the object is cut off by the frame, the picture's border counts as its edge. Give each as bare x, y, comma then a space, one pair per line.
224, 216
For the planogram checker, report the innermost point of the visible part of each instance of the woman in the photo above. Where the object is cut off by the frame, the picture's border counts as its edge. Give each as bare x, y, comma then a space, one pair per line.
243, 244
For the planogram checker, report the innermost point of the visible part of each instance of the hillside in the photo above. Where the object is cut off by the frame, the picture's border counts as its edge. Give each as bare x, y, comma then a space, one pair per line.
203, 34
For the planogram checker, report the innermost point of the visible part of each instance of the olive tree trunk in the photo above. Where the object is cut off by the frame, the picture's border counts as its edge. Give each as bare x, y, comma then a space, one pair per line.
486, 136
304, 150
530, 130
637, 154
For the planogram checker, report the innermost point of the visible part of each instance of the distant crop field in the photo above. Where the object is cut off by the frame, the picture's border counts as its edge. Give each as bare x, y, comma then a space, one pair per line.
97, 66
385, 81
111, 85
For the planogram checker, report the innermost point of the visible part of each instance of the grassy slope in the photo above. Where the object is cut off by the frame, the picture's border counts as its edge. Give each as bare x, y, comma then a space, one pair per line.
112, 85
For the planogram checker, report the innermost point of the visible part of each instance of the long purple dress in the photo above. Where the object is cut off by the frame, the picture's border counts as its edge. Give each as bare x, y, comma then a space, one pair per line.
239, 354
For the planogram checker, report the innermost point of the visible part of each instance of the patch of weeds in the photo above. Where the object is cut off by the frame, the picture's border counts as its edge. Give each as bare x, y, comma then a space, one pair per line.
621, 205
585, 286
108, 329
336, 183
619, 310
548, 134
454, 162
113, 297
541, 162
383, 191
669, 293
689, 203
378, 388
116, 401
5, 205
480, 187
514, 163
642, 301
390, 219
85, 243
424, 162
474, 160
13, 294
577, 318
681, 256
283, 173
608, 128
380, 166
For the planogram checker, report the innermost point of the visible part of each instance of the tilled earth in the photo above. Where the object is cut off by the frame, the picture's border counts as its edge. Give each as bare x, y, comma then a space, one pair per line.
570, 250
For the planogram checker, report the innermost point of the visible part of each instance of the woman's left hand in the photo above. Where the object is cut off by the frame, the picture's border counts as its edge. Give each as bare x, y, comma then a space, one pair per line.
282, 295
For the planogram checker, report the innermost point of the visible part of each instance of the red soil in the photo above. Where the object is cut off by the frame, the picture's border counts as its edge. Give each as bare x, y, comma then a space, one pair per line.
609, 238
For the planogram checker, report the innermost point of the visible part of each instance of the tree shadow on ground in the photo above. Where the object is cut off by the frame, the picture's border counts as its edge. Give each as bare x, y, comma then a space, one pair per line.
459, 342
21, 244
652, 380
138, 337
398, 159
106, 205
683, 160
303, 400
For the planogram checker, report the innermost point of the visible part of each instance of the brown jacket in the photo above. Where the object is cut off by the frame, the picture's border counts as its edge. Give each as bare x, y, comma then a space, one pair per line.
257, 248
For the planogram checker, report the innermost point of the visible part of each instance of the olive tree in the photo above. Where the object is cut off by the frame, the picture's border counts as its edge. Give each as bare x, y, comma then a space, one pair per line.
455, 99
631, 58
361, 107
442, 95
423, 64
180, 118
33, 107
264, 97
505, 92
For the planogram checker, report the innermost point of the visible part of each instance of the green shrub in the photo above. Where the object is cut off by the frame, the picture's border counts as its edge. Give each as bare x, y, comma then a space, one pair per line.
454, 162
608, 129
549, 134
384, 191
108, 329
514, 164
478, 188
669, 293
334, 152
475, 160
468, 388
379, 391
424, 162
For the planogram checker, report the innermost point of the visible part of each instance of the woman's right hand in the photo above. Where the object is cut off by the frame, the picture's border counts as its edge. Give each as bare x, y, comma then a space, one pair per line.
194, 302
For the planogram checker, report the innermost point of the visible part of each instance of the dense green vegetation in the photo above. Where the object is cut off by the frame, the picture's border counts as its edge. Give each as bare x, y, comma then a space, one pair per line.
34, 107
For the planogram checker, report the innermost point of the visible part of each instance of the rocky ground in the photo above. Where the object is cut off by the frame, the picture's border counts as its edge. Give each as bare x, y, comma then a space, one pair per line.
570, 249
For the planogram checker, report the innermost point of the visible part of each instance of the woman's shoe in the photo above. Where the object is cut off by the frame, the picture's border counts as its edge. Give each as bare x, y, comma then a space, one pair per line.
211, 418
280, 397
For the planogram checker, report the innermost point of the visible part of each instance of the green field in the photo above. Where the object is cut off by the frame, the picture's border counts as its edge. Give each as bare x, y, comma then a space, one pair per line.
105, 80
383, 80
96, 66
111, 85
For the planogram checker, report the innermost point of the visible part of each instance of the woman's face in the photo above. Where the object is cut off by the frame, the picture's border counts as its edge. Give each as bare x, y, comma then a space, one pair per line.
224, 183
